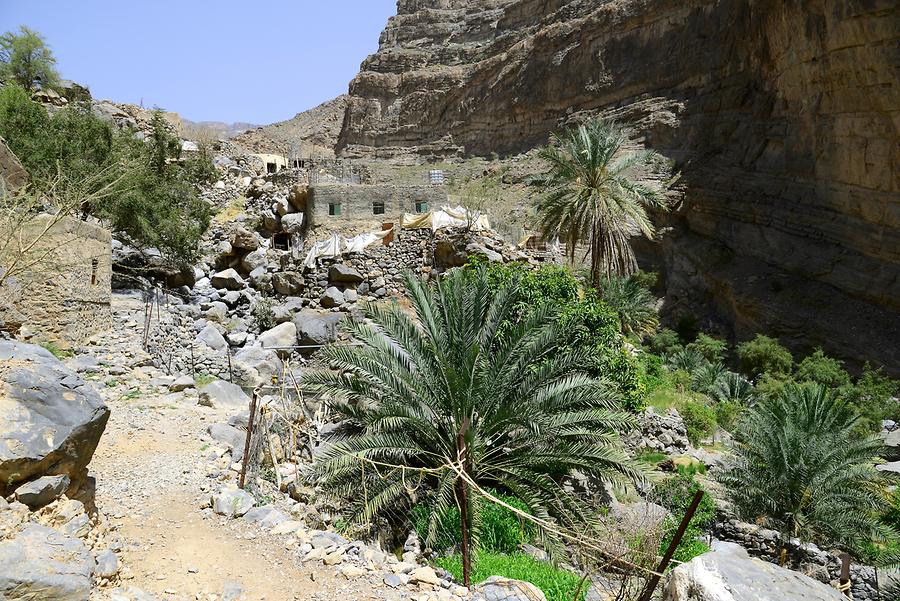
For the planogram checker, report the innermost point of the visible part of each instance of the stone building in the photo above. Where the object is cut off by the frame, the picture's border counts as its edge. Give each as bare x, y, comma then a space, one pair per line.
368, 206
64, 294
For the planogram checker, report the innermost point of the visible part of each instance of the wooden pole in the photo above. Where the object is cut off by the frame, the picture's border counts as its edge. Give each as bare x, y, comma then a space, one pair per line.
845, 575
247, 440
670, 551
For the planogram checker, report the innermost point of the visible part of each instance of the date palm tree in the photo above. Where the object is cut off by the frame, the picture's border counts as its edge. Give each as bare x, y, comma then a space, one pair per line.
591, 197
800, 469
447, 403
634, 304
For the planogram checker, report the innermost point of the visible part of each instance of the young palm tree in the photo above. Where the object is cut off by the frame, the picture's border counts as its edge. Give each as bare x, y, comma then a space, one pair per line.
446, 404
635, 305
732, 388
801, 469
591, 197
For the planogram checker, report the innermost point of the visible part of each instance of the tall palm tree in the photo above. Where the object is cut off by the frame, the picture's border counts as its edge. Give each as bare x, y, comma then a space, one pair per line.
634, 304
446, 402
590, 196
801, 469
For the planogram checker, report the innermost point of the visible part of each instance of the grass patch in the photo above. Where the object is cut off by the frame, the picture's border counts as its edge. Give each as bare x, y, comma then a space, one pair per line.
557, 585
231, 212
57, 352
202, 380
132, 394
651, 457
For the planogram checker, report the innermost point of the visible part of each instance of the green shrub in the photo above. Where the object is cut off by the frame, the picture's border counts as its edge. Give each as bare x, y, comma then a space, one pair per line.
502, 531
665, 342
822, 369
56, 351
764, 355
699, 419
873, 397
25, 57
652, 372
676, 494
556, 584
262, 313
712, 349
727, 413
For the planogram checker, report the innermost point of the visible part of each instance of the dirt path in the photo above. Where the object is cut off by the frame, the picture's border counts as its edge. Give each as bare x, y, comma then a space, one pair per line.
152, 485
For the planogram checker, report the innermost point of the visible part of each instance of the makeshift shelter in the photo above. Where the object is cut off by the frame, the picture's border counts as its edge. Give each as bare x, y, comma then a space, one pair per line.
446, 217
336, 245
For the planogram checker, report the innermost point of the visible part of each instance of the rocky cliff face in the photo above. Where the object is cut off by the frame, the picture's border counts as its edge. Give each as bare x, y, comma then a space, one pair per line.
782, 115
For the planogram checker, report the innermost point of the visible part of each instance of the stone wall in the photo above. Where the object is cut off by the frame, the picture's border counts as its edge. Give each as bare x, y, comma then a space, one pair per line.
805, 557
357, 200
64, 296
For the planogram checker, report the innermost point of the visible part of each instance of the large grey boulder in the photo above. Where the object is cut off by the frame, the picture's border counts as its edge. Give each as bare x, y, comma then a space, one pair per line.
244, 239
332, 298
254, 259
228, 279
257, 365
288, 283
344, 274
50, 419
42, 563
232, 502
315, 328
211, 337
281, 336
498, 588
42, 491
229, 437
728, 573
293, 223
220, 393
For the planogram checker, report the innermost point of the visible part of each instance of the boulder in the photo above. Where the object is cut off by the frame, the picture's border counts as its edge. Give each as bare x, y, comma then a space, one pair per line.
498, 588
232, 502
332, 298
286, 311
217, 311
728, 573
316, 328
42, 563
220, 394
344, 274
211, 337
42, 491
257, 365
50, 419
229, 437
107, 564
228, 279
254, 260
293, 223
288, 283
182, 383
245, 239
282, 335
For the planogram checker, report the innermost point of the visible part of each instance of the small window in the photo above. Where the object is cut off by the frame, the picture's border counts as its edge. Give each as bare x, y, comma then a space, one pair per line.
421, 206
281, 241
271, 168
94, 264
378, 207
334, 209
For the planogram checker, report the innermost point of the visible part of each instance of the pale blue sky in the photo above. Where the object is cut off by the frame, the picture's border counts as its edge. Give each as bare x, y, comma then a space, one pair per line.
225, 60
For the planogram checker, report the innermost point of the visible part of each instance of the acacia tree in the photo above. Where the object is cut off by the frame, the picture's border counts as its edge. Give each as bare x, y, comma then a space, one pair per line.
26, 59
447, 403
590, 196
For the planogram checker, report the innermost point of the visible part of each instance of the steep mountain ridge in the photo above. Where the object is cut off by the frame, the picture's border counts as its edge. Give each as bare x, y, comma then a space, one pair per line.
313, 132
782, 116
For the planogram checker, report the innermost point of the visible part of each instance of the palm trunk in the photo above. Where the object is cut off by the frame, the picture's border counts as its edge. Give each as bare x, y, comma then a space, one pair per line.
464, 523
595, 257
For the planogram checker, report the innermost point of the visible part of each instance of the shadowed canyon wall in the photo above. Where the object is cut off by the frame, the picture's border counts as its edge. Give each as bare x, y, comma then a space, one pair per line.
782, 115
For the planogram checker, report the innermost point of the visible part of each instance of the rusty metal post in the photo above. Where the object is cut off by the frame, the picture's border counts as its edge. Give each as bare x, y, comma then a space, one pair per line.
670, 551
230, 371
246, 458
844, 582
193, 366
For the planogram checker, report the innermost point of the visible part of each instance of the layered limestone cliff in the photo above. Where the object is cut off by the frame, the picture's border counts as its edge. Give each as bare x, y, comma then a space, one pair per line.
783, 116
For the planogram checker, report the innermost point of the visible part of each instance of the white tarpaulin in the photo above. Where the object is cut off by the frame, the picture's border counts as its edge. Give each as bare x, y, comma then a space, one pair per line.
337, 245
447, 217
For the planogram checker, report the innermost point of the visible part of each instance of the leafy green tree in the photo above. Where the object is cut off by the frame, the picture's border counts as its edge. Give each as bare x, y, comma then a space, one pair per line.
591, 197
665, 342
822, 369
445, 402
26, 59
874, 396
764, 355
634, 304
800, 469
675, 494
25, 126
712, 349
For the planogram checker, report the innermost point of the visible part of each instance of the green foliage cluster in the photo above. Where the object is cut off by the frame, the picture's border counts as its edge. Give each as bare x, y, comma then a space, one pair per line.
633, 303
148, 191
675, 494
802, 469
764, 355
555, 583
699, 420
500, 530
26, 59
